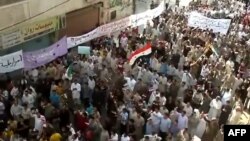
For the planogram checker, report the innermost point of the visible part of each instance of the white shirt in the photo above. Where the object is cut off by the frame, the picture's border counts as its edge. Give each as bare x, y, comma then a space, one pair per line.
123, 138
28, 99
189, 111
14, 92
204, 71
39, 122
156, 118
76, 89
163, 100
91, 84
16, 110
130, 83
248, 92
216, 104
114, 137
34, 73
124, 41
26, 113
226, 97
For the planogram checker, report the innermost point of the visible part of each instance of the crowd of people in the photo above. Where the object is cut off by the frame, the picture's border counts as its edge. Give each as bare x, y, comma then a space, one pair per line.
194, 82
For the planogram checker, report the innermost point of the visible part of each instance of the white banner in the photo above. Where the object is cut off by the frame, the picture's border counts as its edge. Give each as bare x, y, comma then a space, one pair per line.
113, 26
184, 3
11, 62
74, 41
141, 18
217, 25
133, 20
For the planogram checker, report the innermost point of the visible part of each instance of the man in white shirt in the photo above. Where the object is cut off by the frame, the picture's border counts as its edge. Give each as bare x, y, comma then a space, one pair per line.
189, 110
130, 83
14, 91
40, 121
215, 108
28, 98
156, 120
16, 110
125, 137
247, 101
124, 41
226, 96
76, 90
91, 85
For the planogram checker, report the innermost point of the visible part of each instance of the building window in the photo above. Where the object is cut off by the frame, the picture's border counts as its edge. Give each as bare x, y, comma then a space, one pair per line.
7, 2
113, 15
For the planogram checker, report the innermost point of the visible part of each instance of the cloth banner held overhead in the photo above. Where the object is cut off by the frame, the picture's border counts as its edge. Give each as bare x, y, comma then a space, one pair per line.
217, 25
133, 20
184, 3
146, 50
11, 62
43, 56
74, 41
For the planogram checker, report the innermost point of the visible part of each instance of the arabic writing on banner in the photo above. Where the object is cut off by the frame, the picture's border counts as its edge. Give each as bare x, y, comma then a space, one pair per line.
41, 57
133, 20
113, 26
217, 25
11, 62
141, 18
74, 41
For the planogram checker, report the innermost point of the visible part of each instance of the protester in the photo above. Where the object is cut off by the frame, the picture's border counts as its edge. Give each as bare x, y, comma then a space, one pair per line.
185, 83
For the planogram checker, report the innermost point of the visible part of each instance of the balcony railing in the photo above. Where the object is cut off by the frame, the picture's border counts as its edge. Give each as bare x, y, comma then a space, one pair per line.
7, 2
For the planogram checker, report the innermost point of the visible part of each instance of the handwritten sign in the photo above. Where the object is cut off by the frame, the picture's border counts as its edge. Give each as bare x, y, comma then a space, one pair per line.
11, 62
217, 25
84, 50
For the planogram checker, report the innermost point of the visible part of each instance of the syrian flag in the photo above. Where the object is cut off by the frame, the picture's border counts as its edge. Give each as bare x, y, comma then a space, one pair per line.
146, 50
69, 72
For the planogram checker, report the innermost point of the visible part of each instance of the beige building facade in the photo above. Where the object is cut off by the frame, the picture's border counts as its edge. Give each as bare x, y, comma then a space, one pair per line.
87, 13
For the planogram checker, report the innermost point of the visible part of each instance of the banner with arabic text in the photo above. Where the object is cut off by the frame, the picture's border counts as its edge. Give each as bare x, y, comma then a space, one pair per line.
217, 25
11, 62
133, 20
41, 57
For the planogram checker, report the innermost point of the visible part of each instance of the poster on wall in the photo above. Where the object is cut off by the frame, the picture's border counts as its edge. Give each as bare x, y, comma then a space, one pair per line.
11, 62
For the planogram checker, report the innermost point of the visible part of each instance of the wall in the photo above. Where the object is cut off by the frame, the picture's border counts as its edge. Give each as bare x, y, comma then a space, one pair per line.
23, 12
28, 11
123, 9
14, 13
